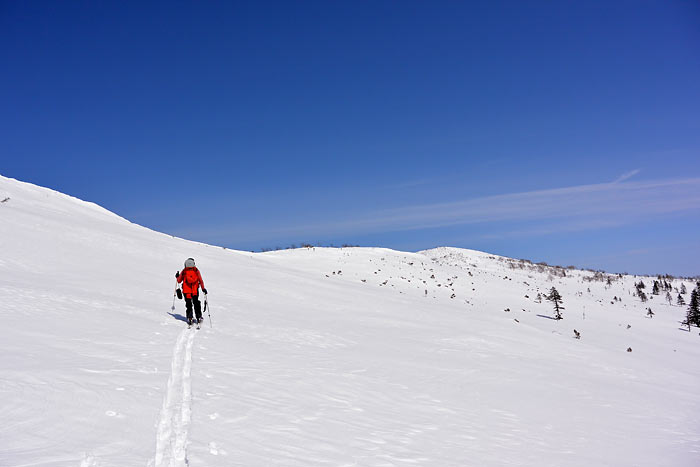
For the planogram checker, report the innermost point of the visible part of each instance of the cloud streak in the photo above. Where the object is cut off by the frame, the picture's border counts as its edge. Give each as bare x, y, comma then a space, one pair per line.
574, 208
627, 175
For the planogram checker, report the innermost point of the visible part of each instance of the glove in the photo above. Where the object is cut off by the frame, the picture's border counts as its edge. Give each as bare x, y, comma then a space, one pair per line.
204, 290
177, 274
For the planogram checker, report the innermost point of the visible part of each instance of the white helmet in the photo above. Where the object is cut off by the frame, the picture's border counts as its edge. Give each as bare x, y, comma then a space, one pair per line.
189, 263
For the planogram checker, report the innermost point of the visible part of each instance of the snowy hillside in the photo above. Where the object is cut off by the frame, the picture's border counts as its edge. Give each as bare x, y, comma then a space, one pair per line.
324, 357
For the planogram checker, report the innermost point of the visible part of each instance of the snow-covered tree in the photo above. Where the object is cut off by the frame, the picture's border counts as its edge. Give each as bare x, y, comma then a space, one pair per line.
683, 289
655, 289
669, 298
556, 299
680, 300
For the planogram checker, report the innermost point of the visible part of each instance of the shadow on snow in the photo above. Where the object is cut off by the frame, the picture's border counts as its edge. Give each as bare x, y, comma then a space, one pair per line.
178, 317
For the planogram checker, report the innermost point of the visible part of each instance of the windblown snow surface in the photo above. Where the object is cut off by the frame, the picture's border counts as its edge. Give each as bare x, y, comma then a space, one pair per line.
324, 357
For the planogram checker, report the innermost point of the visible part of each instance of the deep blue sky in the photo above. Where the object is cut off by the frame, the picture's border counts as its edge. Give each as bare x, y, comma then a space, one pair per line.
563, 131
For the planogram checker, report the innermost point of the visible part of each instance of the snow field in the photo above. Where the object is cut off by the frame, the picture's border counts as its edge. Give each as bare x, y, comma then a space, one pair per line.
307, 366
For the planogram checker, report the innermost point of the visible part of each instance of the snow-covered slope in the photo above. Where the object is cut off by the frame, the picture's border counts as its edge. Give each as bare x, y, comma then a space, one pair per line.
338, 357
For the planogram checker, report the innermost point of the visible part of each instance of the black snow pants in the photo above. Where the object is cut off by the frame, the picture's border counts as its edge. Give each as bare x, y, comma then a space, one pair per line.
197, 307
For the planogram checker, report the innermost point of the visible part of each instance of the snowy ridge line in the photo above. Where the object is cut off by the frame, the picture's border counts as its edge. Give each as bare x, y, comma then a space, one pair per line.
175, 416
31, 192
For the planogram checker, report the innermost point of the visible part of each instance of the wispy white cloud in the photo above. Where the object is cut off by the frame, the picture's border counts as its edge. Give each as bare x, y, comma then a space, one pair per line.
550, 228
574, 208
627, 175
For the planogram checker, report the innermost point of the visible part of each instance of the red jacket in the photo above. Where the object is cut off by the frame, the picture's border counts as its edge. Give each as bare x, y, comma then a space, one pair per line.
191, 281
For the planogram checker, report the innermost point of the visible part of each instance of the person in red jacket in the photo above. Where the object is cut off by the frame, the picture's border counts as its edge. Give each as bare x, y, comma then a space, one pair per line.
191, 280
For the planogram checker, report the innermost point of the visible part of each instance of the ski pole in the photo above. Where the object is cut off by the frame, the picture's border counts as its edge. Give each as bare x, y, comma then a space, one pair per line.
174, 296
206, 308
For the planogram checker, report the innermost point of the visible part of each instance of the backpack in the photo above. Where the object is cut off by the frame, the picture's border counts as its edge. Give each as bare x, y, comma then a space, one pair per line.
191, 276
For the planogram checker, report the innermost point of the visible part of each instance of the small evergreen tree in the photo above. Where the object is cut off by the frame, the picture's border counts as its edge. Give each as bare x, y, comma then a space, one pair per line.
683, 289
669, 298
693, 316
655, 289
641, 285
555, 298
680, 300
642, 296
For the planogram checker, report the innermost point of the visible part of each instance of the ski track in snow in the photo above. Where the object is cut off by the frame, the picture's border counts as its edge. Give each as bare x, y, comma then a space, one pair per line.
175, 416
